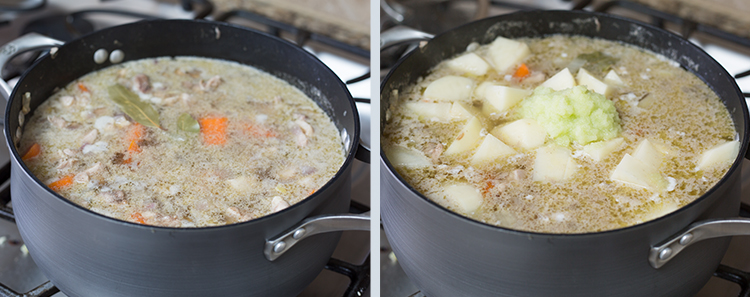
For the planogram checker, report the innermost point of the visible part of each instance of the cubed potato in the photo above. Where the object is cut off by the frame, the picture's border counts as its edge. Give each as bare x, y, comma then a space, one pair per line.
243, 183
467, 138
502, 98
720, 154
523, 133
660, 209
439, 111
647, 101
553, 163
450, 88
647, 153
462, 111
613, 79
480, 89
469, 63
637, 173
489, 150
464, 196
600, 150
560, 81
406, 157
506, 53
592, 83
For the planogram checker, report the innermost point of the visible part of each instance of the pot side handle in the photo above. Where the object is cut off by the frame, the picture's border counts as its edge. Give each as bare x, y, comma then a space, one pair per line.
662, 253
275, 247
28, 42
400, 35
363, 148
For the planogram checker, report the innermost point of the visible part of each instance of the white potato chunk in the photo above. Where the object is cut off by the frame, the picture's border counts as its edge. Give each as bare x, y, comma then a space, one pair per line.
450, 88
523, 133
406, 157
659, 210
560, 81
462, 111
469, 63
480, 89
553, 163
489, 150
243, 183
467, 138
637, 173
613, 79
439, 111
600, 150
720, 154
592, 83
464, 196
502, 98
647, 153
505, 53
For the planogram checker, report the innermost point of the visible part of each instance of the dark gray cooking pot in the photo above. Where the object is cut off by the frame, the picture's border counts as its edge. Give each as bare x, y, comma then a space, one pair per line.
446, 254
87, 254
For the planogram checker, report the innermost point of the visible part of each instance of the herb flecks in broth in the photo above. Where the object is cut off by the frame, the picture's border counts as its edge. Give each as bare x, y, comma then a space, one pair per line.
182, 142
474, 136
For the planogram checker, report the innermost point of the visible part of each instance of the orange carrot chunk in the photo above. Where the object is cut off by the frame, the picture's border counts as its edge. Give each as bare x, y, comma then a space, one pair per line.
136, 216
214, 130
522, 71
135, 135
83, 88
33, 151
61, 183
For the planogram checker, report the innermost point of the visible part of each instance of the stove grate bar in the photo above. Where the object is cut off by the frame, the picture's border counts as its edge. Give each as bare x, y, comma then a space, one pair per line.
46, 289
687, 26
359, 275
736, 276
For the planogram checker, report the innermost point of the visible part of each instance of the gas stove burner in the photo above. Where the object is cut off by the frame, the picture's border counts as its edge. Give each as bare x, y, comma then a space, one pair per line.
65, 27
434, 16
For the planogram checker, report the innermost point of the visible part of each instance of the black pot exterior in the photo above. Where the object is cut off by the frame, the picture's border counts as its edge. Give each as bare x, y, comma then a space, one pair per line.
449, 255
87, 254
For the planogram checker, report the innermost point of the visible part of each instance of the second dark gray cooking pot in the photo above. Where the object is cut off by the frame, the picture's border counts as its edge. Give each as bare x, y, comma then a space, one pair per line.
446, 254
87, 254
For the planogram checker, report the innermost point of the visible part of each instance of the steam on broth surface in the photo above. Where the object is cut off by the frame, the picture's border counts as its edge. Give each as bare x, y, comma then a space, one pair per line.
562, 134
182, 142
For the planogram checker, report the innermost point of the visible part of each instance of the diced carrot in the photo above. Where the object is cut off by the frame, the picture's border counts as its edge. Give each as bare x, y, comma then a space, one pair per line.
311, 192
522, 71
257, 131
61, 183
488, 185
135, 135
136, 216
33, 151
83, 88
214, 130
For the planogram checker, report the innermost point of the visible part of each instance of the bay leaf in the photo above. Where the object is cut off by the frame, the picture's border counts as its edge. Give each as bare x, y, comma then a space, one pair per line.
188, 124
132, 105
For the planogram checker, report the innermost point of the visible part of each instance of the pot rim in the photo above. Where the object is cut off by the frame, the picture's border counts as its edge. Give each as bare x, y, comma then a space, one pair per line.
735, 165
355, 135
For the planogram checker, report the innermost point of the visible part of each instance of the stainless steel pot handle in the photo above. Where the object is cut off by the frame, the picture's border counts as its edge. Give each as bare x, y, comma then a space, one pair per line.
662, 253
275, 247
402, 34
28, 42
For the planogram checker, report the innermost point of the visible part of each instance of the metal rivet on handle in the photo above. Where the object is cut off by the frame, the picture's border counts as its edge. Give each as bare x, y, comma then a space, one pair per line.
665, 253
686, 239
116, 56
299, 233
279, 247
100, 56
